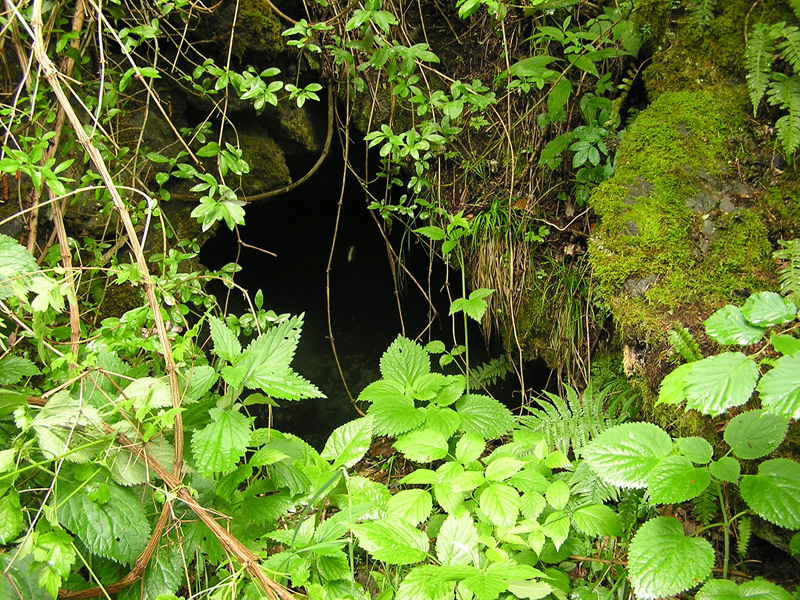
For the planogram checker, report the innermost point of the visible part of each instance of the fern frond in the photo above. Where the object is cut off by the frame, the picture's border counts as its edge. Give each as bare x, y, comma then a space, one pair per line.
701, 13
704, 506
683, 343
785, 92
790, 47
491, 372
795, 4
589, 488
758, 58
744, 531
789, 276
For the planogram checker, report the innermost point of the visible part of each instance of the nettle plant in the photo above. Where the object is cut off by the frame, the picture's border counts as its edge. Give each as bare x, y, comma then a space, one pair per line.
662, 559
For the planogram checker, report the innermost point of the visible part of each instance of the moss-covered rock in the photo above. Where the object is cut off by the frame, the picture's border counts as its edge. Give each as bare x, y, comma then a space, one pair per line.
679, 234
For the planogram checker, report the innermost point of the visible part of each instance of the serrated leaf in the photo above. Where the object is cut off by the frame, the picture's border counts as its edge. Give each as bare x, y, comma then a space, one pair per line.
774, 493
405, 361
768, 309
10, 516
15, 260
349, 443
393, 417
779, 389
500, 503
196, 382
718, 383
67, 427
728, 326
394, 542
420, 477
226, 344
220, 444
126, 468
675, 479
625, 454
556, 527
444, 420
532, 504
758, 589
557, 494
451, 391
785, 344
673, 386
726, 468
504, 467
161, 579
474, 306
116, 529
532, 590
662, 561
146, 392
430, 582
422, 445
696, 449
597, 520
469, 448
755, 433
14, 368
412, 506
484, 416
486, 585
55, 556
457, 541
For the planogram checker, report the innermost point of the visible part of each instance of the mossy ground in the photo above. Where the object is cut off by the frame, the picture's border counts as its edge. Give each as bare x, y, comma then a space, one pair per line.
655, 257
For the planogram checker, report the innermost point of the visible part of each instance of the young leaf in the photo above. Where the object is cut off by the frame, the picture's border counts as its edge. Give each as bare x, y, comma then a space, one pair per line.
220, 444
779, 389
696, 449
503, 468
10, 516
768, 309
116, 529
394, 542
557, 494
226, 344
625, 454
758, 589
500, 503
684, 343
14, 368
422, 445
15, 260
675, 479
444, 420
395, 416
457, 542
556, 527
412, 506
720, 382
474, 306
785, 344
755, 433
774, 493
726, 468
54, 552
484, 416
662, 561
405, 361
469, 448
597, 520
349, 443
728, 326
673, 386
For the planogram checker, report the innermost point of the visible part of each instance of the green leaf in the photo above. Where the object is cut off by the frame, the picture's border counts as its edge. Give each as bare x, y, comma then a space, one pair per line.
768, 309
532, 590
696, 449
18, 581
116, 529
469, 448
625, 454
728, 326
673, 386
718, 383
557, 494
14, 368
726, 468
500, 503
412, 506
394, 542
779, 389
504, 467
15, 260
422, 445
457, 541
662, 561
431, 232
146, 392
597, 520
349, 443
68, 427
758, 589
196, 382
10, 516
210, 149
56, 555
774, 493
785, 344
486, 585
484, 416
405, 361
442, 419
220, 444
162, 577
474, 306
556, 527
674, 480
226, 344
794, 545
755, 433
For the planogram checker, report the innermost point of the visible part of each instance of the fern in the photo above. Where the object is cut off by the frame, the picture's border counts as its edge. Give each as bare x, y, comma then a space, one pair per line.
572, 422
745, 530
790, 47
489, 373
789, 276
795, 4
589, 488
684, 343
701, 13
785, 92
758, 58
704, 506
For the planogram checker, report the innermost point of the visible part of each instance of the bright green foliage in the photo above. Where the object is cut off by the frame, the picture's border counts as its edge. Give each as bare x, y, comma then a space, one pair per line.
789, 276
728, 326
348, 443
689, 559
758, 589
220, 444
684, 343
774, 493
474, 306
394, 542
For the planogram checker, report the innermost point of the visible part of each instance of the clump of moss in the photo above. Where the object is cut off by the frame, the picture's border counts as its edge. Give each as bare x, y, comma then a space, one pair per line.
672, 238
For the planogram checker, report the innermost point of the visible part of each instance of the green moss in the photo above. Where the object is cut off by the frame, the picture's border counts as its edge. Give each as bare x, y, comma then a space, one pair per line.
672, 238
258, 29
